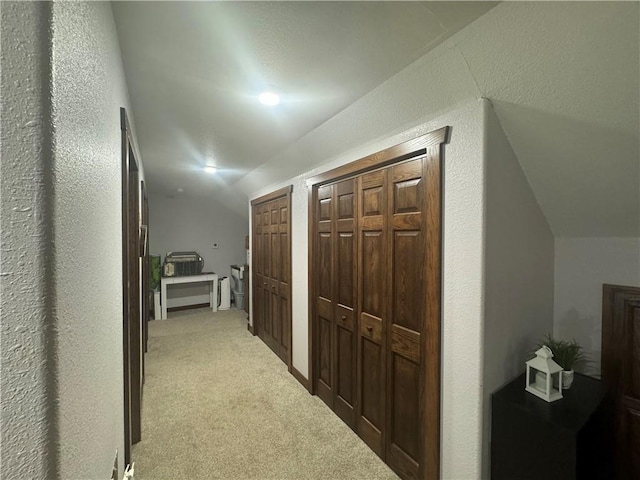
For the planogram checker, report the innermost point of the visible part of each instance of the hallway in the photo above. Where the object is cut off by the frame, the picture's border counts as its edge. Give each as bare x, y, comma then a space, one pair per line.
219, 404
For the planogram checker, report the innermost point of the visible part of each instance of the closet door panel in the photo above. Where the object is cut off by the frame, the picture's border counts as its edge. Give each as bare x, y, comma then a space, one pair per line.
324, 302
274, 287
324, 384
372, 273
266, 273
406, 259
346, 267
283, 275
266, 241
266, 311
371, 298
405, 427
407, 272
257, 259
272, 265
324, 265
345, 296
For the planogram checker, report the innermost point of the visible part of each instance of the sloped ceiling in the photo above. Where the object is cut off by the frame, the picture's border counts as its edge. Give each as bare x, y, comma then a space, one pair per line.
562, 77
194, 71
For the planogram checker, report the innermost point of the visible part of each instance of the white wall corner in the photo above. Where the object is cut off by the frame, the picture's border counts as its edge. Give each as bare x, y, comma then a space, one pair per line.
519, 253
28, 340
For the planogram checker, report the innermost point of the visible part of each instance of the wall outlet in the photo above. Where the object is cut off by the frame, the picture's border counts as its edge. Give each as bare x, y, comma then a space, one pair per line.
214, 245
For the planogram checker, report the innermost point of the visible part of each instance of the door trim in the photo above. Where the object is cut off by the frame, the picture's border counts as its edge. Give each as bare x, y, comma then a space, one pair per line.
272, 196
430, 379
398, 153
131, 351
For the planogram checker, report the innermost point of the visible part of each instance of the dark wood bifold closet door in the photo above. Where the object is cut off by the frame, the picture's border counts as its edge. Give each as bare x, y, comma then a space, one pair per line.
324, 294
336, 300
375, 274
271, 216
344, 264
372, 288
406, 261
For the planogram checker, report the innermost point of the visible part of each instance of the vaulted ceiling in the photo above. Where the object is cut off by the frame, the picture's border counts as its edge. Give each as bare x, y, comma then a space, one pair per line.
562, 77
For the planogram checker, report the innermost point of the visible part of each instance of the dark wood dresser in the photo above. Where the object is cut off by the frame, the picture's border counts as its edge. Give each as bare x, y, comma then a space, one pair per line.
564, 440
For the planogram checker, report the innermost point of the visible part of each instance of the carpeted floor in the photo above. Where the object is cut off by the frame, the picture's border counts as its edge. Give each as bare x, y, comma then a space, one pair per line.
219, 404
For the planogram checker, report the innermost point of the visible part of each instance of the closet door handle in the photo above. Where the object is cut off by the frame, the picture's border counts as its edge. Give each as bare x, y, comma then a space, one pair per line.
369, 328
265, 284
343, 317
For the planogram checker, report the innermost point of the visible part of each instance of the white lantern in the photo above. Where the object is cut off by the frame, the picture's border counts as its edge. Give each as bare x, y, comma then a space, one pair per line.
544, 376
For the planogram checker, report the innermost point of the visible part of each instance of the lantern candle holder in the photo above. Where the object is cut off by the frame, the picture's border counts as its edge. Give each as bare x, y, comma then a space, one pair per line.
544, 376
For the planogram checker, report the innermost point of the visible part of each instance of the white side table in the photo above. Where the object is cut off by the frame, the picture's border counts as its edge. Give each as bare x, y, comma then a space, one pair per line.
212, 278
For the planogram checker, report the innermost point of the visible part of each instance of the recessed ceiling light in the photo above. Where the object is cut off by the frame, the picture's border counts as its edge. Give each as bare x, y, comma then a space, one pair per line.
210, 169
269, 98
180, 189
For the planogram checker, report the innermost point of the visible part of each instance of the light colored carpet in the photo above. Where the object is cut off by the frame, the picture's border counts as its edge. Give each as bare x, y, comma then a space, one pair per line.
219, 404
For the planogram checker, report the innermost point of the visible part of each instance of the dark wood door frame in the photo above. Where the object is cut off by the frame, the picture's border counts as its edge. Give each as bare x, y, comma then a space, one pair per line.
620, 309
145, 270
431, 348
283, 193
132, 321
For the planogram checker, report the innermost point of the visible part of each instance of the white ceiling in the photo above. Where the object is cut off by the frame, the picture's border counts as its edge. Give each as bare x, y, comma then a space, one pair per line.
194, 70
563, 78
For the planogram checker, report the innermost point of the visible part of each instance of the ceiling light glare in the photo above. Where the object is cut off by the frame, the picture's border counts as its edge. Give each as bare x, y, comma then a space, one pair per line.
269, 98
210, 169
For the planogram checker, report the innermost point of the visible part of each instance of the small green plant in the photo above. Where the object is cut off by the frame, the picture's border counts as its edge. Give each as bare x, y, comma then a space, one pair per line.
566, 354
155, 271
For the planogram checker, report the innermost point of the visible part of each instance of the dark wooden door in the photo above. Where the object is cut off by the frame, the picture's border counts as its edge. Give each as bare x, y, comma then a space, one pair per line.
324, 294
131, 293
135, 317
146, 291
406, 261
336, 298
257, 261
621, 373
345, 295
375, 275
272, 271
372, 298
265, 326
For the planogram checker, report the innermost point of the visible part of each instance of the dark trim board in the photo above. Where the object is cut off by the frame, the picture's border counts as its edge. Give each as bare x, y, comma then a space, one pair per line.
403, 151
298, 376
273, 195
251, 330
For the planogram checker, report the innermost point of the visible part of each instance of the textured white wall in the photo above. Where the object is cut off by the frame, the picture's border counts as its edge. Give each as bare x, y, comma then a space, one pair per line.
582, 265
518, 271
62, 379
27, 342
463, 266
186, 224
88, 90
